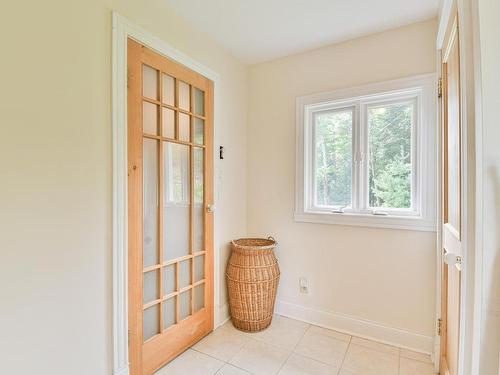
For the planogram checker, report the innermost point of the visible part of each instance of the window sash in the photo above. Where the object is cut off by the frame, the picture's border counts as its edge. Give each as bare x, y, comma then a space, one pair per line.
313, 157
360, 146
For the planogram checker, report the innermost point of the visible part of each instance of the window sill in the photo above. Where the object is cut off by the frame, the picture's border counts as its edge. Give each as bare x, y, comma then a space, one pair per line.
367, 220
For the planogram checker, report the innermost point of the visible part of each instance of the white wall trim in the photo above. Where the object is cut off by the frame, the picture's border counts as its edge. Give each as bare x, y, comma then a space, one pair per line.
477, 301
356, 326
224, 315
444, 14
121, 371
436, 354
123, 29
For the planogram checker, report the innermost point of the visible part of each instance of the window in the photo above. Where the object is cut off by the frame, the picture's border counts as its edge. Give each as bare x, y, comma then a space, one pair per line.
333, 157
366, 156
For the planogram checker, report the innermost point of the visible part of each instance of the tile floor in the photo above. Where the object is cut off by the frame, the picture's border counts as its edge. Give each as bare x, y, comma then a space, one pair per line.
290, 347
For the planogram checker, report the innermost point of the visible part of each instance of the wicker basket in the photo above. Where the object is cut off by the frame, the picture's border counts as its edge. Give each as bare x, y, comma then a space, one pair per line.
252, 278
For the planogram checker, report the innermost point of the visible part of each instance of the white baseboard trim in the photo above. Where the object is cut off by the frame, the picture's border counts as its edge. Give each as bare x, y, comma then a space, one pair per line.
435, 355
223, 315
121, 371
358, 327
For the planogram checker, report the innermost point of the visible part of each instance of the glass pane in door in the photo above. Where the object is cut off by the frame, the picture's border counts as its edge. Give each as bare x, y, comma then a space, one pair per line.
168, 89
151, 322
199, 102
149, 82
168, 312
176, 196
185, 304
184, 96
150, 209
149, 118
184, 273
199, 128
199, 297
168, 279
150, 286
168, 123
199, 211
199, 268
184, 127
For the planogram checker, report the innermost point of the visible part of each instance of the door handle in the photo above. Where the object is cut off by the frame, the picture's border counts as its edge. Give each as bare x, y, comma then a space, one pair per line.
453, 259
210, 208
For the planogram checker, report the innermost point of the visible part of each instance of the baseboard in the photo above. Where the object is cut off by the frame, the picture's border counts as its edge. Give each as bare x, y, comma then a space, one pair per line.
435, 355
357, 327
121, 371
223, 315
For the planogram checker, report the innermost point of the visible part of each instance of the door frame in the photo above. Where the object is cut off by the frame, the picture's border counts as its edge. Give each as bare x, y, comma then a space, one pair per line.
471, 274
122, 30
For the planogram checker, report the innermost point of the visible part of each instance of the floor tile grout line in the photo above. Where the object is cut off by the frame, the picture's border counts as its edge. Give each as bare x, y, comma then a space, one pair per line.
322, 334
248, 339
418, 360
345, 355
208, 355
293, 349
239, 368
223, 361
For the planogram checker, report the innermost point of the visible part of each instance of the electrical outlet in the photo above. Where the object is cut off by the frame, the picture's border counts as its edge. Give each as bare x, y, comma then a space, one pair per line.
303, 285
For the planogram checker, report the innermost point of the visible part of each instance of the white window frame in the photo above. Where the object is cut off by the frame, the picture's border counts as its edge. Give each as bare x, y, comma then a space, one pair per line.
421, 91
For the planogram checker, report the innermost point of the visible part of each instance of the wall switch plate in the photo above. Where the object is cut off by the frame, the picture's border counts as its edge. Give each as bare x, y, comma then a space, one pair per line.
303, 285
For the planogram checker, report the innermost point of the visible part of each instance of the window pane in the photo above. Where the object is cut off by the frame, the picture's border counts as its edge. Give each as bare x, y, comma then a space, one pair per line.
150, 286
168, 279
199, 297
151, 322
184, 127
389, 159
176, 200
168, 125
333, 158
168, 89
149, 82
149, 118
150, 201
184, 96
199, 102
169, 312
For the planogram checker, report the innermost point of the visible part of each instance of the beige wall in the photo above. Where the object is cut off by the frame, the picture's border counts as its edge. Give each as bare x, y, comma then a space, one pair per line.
381, 275
55, 190
55, 171
489, 13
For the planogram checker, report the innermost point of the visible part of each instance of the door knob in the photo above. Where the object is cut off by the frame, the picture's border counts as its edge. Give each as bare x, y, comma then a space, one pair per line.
210, 208
453, 259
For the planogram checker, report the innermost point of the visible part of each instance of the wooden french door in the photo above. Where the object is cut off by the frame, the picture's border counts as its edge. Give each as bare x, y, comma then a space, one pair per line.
452, 202
170, 179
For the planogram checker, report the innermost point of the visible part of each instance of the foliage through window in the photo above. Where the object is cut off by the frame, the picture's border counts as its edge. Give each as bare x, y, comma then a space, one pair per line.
383, 173
389, 144
333, 158
389, 157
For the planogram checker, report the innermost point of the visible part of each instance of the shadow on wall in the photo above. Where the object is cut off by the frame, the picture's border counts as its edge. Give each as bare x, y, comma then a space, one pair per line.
491, 312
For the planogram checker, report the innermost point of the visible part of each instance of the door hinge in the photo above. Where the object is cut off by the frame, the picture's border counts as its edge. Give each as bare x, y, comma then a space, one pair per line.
129, 334
440, 323
128, 74
440, 87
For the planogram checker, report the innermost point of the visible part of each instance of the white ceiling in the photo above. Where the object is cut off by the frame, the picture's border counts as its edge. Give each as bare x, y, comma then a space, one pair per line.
260, 30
